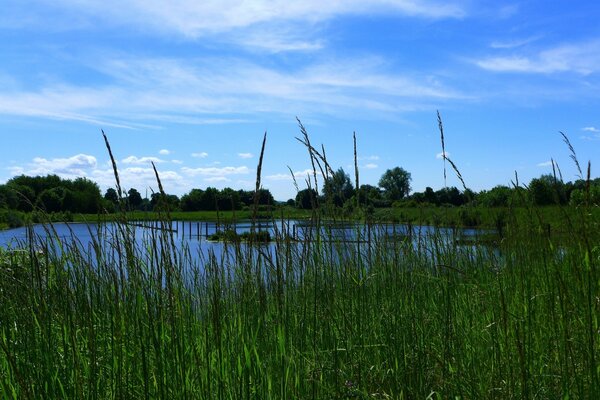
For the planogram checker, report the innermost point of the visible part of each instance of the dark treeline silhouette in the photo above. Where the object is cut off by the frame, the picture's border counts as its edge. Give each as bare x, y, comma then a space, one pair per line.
227, 199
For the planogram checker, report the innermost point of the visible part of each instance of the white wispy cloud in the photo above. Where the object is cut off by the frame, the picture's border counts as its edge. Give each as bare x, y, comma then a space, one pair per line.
370, 166
581, 58
192, 18
141, 160
215, 171
157, 90
214, 179
591, 129
245, 155
545, 164
177, 161
164, 152
200, 155
513, 43
298, 175
369, 158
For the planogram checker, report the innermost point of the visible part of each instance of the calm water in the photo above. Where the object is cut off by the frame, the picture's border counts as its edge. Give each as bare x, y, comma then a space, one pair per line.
198, 232
195, 236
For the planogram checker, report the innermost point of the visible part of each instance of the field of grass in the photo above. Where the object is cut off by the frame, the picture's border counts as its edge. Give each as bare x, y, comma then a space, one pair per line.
312, 320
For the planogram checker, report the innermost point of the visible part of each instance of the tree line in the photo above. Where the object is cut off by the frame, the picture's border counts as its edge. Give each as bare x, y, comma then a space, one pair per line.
52, 194
394, 190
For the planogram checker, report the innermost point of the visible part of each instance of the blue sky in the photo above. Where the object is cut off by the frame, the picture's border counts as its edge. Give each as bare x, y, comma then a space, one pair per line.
193, 85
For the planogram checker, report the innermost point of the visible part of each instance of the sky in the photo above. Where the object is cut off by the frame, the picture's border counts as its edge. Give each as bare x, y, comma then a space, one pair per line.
194, 85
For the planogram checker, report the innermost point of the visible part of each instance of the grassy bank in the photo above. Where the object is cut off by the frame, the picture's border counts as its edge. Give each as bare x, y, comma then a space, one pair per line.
480, 217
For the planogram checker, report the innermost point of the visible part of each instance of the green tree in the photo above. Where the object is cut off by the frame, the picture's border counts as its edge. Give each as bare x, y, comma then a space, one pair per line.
228, 199
338, 188
545, 190
8, 197
307, 199
134, 199
498, 196
51, 200
158, 202
450, 195
370, 195
395, 183
112, 196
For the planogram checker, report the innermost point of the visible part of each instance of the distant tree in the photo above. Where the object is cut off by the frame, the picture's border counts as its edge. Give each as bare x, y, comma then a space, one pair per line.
307, 199
134, 199
545, 190
370, 195
228, 199
37, 183
395, 183
429, 196
338, 188
51, 200
210, 199
192, 201
8, 197
112, 196
160, 202
86, 194
25, 196
450, 195
498, 196
264, 197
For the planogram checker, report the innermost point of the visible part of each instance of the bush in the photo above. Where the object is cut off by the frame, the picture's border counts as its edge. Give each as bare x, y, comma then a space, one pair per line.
13, 219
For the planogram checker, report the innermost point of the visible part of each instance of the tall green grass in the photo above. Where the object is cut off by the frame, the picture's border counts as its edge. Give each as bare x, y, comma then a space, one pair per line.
321, 319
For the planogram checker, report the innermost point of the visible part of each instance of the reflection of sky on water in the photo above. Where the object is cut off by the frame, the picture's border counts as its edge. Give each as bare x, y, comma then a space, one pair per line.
193, 237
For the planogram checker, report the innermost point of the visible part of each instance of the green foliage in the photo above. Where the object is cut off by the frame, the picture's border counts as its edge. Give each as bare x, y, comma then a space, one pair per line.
498, 196
226, 199
580, 197
112, 196
51, 193
134, 199
307, 199
11, 218
338, 188
396, 183
169, 202
542, 190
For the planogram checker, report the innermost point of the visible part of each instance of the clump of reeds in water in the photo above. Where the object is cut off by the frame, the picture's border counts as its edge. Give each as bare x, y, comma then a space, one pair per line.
389, 316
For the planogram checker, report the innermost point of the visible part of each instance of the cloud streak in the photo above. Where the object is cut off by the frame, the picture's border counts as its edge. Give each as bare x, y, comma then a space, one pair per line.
215, 171
580, 58
145, 91
192, 19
